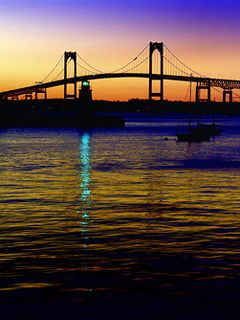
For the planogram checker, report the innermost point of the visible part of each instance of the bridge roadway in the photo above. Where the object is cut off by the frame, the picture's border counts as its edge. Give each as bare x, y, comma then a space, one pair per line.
223, 83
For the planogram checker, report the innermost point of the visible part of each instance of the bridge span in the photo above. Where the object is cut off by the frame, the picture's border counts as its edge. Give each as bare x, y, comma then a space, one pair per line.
222, 83
166, 68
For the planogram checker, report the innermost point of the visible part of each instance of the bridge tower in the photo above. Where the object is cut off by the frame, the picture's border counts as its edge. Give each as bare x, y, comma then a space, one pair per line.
206, 85
159, 47
72, 56
227, 92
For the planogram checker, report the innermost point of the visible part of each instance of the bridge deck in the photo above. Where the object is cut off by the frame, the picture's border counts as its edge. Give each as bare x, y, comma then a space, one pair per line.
223, 83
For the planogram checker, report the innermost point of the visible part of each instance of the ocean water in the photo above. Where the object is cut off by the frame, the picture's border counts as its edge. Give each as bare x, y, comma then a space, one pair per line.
119, 223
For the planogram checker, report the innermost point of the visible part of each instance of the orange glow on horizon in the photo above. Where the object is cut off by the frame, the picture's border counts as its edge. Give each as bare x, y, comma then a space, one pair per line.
33, 68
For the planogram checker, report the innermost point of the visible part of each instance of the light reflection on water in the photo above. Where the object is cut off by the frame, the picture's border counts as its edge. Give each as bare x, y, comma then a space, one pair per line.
85, 156
120, 216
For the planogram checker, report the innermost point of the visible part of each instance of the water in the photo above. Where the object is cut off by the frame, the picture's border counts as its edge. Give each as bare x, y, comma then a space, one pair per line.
112, 224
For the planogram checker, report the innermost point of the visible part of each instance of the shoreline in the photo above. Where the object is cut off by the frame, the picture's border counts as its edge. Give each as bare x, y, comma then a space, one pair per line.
134, 105
99, 114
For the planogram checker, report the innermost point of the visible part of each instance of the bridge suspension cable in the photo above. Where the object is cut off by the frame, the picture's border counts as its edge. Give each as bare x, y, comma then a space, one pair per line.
135, 62
89, 65
86, 70
58, 75
137, 65
176, 65
53, 69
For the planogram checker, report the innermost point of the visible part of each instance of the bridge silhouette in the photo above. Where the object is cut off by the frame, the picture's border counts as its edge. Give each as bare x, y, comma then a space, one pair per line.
155, 62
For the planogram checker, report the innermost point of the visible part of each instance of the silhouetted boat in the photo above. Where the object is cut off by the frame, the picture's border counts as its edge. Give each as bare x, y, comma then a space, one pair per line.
196, 134
212, 128
200, 132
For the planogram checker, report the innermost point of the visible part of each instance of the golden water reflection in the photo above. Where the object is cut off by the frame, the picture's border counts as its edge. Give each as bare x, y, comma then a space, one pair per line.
117, 212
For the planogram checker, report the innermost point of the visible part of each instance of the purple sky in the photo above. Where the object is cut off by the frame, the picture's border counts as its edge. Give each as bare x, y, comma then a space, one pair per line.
34, 34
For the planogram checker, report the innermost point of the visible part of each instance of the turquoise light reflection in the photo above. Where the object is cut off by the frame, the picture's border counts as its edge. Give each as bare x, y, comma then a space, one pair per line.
85, 157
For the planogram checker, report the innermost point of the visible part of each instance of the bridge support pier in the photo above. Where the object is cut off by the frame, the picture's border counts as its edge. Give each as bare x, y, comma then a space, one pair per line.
199, 88
41, 91
71, 56
227, 93
159, 47
15, 97
28, 96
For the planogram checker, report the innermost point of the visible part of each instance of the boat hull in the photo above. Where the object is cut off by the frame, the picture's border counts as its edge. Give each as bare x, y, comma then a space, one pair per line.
190, 137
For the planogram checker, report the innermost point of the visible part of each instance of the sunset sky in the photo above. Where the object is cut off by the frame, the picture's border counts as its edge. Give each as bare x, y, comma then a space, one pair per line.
107, 33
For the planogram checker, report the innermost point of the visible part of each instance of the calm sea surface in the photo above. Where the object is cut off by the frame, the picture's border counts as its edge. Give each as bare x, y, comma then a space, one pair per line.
120, 224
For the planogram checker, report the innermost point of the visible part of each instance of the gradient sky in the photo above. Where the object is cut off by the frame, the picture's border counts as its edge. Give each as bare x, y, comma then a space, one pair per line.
106, 33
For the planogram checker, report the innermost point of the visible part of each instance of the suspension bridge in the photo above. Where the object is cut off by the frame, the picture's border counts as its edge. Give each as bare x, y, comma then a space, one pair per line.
155, 62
